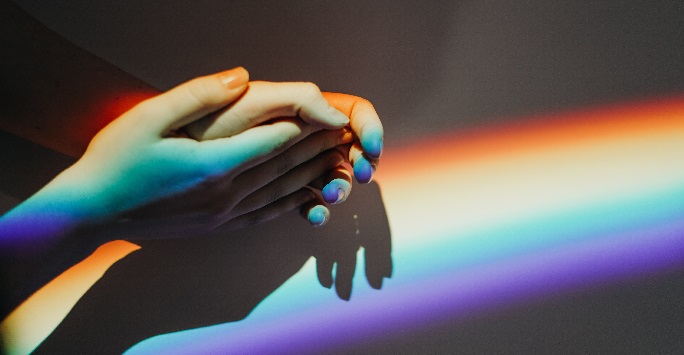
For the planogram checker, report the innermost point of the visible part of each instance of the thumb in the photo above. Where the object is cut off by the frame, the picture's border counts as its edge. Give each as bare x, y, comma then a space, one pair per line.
192, 100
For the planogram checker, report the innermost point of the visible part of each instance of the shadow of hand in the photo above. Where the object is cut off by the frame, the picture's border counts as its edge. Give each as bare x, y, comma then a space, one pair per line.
356, 223
178, 284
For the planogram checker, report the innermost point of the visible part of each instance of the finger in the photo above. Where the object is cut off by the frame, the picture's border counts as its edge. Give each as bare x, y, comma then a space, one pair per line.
301, 152
271, 211
364, 121
245, 150
318, 215
188, 102
264, 101
316, 212
291, 181
364, 168
338, 187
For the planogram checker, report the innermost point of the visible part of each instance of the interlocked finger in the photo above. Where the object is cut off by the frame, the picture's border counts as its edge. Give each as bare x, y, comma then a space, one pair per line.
265, 101
303, 151
293, 180
271, 211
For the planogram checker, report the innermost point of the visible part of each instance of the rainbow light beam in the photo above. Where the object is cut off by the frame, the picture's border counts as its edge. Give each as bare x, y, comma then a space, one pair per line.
480, 220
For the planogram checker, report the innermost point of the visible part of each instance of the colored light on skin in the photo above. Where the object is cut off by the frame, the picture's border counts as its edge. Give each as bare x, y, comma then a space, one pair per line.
318, 215
363, 170
336, 191
505, 214
372, 142
592, 190
38, 316
426, 300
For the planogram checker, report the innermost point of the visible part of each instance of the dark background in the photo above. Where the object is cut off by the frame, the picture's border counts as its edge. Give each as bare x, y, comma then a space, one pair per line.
430, 67
427, 66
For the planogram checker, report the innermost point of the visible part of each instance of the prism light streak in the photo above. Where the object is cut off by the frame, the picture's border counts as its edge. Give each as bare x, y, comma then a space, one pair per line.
488, 218
437, 298
419, 300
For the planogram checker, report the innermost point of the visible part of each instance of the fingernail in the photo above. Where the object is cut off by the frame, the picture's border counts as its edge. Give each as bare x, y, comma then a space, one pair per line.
234, 78
318, 215
336, 191
337, 118
363, 170
372, 143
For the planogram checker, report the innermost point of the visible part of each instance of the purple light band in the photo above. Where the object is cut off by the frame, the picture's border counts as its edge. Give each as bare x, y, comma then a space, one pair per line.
458, 293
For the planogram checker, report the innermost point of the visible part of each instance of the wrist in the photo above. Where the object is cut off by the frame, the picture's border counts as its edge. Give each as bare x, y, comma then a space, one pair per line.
60, 211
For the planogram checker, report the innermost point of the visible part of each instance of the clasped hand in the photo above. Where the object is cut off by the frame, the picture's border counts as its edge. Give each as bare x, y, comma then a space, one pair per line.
219, 152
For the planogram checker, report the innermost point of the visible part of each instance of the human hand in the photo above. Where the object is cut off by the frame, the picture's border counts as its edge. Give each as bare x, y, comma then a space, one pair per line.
221, 279
364, 122
364, 154
266, 101
139, 166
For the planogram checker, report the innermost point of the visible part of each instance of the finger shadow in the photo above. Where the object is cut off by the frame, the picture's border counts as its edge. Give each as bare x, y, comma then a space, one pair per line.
357, 223
179, 284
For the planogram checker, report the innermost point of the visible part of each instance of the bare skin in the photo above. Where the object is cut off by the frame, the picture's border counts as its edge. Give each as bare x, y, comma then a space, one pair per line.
60, 96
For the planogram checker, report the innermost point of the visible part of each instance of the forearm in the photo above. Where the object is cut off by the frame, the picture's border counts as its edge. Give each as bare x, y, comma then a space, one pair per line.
21, 276
55, 93
45, 235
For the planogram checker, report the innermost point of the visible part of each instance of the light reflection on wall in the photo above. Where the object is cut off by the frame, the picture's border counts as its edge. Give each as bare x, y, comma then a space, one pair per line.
487, 218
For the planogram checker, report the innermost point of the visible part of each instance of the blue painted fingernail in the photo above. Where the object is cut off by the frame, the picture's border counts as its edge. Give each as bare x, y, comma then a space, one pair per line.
318, 215
336, 191
372, 143
363, 170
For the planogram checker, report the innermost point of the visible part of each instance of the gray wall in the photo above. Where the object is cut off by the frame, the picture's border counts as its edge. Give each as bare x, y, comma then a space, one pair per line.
428, 66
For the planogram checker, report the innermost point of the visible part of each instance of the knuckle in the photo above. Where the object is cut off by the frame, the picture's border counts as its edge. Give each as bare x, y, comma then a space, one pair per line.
365, 103
203, 91
309, 91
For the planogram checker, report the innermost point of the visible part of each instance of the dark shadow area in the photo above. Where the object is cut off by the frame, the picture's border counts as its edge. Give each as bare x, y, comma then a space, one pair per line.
385, 51
26, 167
179, 284
427, 67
